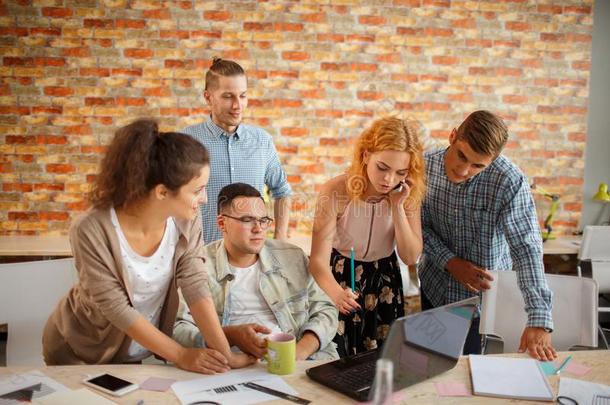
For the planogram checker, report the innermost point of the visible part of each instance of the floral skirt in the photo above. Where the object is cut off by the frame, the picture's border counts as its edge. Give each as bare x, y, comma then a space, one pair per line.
380, 295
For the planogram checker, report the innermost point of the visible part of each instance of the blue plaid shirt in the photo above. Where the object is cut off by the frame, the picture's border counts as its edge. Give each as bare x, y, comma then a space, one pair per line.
489, 220
246, 156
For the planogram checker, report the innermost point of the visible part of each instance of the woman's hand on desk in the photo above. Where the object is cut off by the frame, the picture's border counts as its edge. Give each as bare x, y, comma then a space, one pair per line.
240, 360
205, 361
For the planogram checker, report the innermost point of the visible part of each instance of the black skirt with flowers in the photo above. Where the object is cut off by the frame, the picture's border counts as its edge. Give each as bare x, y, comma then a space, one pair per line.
379, 287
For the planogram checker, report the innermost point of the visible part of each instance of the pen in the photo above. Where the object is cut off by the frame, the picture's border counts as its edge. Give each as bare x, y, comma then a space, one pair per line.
351, 256
566, 361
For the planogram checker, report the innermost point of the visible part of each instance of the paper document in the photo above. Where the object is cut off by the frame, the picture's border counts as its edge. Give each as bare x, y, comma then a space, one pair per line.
582, 392
506, 377
227, 389
25, 387
74, 397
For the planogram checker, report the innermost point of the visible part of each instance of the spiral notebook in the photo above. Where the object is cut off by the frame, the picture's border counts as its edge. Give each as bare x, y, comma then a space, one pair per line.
505, 377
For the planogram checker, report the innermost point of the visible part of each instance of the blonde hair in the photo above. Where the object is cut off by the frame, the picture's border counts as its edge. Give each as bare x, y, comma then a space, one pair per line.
389, 133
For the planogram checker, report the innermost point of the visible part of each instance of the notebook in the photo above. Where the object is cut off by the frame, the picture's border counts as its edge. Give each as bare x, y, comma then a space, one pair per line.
504, 377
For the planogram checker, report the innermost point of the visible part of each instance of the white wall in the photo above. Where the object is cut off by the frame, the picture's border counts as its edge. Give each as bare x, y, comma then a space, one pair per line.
597, 152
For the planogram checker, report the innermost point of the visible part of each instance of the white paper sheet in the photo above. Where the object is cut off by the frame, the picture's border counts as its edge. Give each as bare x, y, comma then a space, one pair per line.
509, 378
74, 397
581, 391
14, 382
226, 389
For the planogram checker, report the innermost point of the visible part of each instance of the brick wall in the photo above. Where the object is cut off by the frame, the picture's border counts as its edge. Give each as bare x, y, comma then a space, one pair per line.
72, 71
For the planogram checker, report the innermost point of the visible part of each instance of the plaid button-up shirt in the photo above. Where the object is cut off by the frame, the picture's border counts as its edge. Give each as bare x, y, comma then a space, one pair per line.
246, 156
489, 220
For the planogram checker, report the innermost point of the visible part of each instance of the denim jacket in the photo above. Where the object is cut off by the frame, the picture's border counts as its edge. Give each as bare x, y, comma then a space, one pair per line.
298, 303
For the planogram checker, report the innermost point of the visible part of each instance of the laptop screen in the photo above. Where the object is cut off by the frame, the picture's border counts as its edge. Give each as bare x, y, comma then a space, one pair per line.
442, 330
428, 343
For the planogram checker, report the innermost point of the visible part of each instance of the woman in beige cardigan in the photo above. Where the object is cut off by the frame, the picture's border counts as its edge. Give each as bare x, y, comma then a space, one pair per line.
140, 242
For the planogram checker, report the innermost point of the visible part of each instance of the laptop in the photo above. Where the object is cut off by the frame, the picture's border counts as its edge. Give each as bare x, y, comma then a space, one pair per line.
421, 346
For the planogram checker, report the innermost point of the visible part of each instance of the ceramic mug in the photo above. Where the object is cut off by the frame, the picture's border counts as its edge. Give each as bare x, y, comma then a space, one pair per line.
281, 353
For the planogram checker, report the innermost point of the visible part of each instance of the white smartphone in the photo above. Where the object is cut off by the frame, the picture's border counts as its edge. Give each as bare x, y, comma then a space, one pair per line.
110, 384
398, 188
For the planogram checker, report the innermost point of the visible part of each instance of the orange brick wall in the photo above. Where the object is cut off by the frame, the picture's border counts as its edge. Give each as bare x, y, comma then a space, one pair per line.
72, 71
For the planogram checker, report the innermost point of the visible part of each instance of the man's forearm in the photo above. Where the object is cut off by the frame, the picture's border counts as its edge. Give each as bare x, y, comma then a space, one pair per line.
281, 213
308, 345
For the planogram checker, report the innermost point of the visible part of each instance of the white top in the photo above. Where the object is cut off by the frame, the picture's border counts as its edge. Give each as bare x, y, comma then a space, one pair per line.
247, 303
149, 277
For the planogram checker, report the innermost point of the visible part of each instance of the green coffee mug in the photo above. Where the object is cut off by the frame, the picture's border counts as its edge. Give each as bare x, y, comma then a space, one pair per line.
281, 353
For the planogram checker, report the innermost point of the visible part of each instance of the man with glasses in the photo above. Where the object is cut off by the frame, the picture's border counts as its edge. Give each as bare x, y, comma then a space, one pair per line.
260, 285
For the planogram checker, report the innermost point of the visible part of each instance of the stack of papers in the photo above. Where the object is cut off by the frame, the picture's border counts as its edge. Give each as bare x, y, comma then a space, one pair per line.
505, 377
583, 392
74, 397
26, 387
227, 389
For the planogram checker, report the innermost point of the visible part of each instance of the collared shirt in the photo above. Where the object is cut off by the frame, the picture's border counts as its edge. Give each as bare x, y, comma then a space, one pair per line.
295, 299
246, 156
489, 220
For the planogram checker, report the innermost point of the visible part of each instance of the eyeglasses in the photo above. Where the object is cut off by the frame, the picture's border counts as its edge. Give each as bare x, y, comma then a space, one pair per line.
264, 222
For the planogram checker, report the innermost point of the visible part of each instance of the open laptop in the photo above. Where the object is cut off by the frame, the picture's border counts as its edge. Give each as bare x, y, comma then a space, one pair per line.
421, 346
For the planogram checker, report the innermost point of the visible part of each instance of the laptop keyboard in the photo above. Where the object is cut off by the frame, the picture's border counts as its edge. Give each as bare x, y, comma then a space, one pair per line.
360, 376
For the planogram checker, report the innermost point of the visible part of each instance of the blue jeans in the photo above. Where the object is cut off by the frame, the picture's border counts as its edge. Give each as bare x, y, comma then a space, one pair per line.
474, 341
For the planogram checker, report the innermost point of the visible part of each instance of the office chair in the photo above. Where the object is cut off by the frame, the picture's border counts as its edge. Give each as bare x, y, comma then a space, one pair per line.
29, 293
574, 311
595, 248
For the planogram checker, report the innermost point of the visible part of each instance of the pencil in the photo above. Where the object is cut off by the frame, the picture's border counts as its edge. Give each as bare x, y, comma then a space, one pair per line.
565, 362
351, 256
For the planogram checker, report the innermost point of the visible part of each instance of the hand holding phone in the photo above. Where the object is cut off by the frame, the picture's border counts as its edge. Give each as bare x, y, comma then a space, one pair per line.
110, 384
398, 187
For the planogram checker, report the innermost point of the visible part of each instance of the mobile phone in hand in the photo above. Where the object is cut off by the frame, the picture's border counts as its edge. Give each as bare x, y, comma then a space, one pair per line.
110, 384
398, 187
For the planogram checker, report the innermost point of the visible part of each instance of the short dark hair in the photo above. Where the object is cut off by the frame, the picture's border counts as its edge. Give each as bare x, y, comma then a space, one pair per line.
139, 158
222, 67
232, 191
484, 132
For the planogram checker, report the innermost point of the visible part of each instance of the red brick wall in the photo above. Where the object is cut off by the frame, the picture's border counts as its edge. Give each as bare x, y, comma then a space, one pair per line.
72, 71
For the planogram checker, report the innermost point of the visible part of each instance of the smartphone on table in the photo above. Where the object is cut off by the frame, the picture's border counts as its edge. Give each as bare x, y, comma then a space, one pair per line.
110, 384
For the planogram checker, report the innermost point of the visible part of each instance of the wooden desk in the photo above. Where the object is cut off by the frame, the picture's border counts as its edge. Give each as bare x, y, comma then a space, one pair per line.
422, 393
60, 246
40, 246
563, 245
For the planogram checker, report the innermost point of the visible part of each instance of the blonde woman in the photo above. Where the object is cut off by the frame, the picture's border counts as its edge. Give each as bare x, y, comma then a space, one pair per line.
368, 212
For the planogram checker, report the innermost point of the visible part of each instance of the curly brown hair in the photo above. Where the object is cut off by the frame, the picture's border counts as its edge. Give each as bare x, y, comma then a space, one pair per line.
391, 133
140, 158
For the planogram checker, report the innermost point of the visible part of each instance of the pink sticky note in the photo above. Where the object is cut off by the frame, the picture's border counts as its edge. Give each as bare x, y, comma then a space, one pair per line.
576, 369
157, 384
452, 389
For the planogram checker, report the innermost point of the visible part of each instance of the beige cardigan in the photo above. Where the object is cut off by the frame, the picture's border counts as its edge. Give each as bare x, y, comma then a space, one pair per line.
88, 325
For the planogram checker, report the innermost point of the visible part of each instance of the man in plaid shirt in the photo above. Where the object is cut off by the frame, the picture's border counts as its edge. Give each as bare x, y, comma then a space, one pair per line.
479, 215
239, 152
